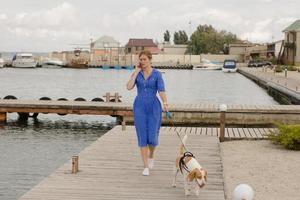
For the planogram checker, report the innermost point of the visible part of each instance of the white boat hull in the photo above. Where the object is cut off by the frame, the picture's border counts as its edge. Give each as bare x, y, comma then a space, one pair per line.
24, 64
53, 64
229, 70
1, 63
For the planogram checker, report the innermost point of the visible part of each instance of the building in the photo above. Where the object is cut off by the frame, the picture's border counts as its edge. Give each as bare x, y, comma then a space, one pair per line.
248, 51
274, 48
239, 48
291, 54
172, 49
105, 50
135, 46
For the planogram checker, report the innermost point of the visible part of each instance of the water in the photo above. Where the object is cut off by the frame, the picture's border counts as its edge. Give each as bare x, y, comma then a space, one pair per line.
30, 152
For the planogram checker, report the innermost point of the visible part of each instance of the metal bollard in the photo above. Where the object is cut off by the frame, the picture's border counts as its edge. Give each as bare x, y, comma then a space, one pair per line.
223, 109
285, 71
75, 164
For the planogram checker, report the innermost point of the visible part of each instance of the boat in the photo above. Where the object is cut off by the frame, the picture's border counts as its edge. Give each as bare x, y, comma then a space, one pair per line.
208, 65
229, 66
2, 63
77, 62
24, 60
50, 63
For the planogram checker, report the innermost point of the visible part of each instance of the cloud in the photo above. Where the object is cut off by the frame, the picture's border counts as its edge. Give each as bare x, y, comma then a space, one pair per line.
138, 16
43, 23
260, 31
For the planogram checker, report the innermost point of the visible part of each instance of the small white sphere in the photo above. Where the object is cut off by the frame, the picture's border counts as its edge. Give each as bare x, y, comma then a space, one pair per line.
243, 192
223, 107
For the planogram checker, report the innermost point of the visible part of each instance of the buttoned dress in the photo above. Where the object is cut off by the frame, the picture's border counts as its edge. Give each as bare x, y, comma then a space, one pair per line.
147, 108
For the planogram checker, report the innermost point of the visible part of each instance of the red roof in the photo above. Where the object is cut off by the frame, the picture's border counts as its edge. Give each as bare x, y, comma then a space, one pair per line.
141, 43
155, 50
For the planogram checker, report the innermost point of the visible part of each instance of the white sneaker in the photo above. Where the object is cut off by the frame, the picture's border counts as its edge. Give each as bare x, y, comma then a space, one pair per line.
151, 163
146, 172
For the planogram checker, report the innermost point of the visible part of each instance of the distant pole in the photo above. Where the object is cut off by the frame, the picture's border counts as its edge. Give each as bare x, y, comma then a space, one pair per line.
110, 55
190, 30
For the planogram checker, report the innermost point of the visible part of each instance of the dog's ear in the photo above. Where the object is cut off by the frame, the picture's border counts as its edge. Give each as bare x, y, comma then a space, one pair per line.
192, 175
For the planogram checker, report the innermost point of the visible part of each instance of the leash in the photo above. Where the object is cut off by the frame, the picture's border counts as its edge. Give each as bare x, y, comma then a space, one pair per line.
182, 164
169, 116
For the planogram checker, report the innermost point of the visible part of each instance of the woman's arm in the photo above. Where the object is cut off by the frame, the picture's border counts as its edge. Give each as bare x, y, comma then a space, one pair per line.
131, 82
163, 97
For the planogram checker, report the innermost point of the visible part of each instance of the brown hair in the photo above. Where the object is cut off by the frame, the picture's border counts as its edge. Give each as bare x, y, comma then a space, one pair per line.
146, 53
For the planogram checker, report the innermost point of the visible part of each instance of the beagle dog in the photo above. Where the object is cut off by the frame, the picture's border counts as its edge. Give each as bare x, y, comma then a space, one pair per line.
191, 170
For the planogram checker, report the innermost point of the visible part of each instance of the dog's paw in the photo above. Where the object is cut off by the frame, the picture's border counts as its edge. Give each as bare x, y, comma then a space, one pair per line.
187, 192
174, 185
197, 192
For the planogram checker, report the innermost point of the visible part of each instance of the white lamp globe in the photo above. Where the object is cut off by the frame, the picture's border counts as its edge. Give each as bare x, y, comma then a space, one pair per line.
243, 192
223, 107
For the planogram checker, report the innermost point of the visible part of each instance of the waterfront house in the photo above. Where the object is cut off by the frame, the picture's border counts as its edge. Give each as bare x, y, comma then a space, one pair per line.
291, 54
105, 50
135, 46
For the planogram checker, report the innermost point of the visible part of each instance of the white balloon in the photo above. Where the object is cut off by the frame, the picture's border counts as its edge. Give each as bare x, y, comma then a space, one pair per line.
243, 192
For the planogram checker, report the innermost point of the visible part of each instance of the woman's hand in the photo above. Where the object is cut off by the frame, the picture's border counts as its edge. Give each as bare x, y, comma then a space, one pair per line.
138, 68
165, 107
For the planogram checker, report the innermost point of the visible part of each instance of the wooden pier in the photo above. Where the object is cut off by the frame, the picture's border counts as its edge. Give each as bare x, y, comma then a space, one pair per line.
183, 114
110, 168
285, 89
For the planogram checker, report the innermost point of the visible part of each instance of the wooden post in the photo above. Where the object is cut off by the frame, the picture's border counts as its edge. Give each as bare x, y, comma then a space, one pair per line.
116, 97
123, 125
107, 97
222, 126
75, 164
223, 109
3, 117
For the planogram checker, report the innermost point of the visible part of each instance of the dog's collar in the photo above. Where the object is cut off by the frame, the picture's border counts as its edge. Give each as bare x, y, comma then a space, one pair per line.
182, 163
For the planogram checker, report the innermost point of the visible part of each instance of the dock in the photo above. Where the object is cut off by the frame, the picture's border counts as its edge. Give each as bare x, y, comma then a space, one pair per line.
284, 86
110, 168
183, 114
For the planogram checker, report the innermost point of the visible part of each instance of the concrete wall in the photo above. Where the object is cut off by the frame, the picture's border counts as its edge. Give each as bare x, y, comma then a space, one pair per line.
237, 50
131, 59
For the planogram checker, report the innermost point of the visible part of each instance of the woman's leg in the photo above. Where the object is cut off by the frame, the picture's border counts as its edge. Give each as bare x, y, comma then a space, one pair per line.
144, 154
151, 151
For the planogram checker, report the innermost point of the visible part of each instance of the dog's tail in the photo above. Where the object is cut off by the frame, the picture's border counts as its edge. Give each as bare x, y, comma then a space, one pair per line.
182, 150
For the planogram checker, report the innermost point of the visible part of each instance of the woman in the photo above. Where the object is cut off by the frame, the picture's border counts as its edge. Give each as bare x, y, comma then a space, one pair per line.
147, 108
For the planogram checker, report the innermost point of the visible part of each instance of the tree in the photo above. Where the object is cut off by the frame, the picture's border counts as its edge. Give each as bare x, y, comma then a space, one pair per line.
180, 37
207, 39
167, 36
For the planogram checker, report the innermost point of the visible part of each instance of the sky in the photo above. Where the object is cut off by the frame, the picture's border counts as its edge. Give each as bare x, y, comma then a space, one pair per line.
54, 25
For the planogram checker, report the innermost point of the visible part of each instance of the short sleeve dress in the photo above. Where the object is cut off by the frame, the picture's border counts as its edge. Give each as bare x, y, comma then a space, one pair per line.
147, 108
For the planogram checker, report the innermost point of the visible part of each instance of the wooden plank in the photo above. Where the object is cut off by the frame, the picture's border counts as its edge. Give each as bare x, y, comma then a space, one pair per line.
246, 132
258, 134
193, 131
241, 133
253, 133
229, 133
214, 131
100, 177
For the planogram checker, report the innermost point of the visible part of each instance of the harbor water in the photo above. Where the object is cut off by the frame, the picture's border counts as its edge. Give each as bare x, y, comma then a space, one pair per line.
31, 151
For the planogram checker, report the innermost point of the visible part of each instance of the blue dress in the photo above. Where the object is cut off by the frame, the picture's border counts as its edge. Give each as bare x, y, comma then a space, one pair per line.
147, 108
